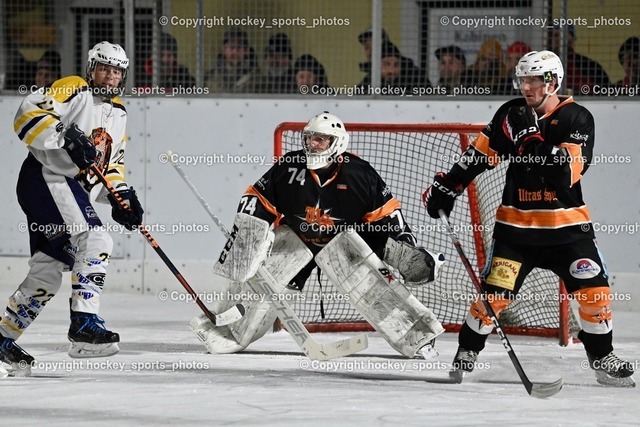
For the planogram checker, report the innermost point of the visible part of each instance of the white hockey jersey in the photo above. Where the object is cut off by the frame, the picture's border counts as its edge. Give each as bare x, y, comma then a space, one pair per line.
44, 115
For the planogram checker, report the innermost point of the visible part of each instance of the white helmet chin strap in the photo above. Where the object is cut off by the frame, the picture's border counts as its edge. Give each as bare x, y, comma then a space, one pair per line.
547, 95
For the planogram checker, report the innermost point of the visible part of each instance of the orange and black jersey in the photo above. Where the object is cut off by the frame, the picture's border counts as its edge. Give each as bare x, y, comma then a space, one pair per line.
542, 199
319, 204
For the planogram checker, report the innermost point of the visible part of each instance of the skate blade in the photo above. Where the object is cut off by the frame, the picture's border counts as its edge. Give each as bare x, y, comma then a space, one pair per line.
457, 375
15, 370
610, 381
82, 350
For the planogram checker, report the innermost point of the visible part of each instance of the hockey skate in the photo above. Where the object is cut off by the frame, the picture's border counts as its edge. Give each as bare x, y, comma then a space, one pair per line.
13, 355
464, 361
89, 337
612, 371
428, 352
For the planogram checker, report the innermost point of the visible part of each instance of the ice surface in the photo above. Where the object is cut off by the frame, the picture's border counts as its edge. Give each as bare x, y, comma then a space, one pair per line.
162, 376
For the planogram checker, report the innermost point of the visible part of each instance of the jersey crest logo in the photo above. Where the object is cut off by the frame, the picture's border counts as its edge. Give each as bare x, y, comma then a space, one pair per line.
318, 216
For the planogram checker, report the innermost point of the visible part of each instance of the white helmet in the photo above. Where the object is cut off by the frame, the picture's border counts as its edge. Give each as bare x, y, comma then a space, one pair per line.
545, 64
109, 54
325, 124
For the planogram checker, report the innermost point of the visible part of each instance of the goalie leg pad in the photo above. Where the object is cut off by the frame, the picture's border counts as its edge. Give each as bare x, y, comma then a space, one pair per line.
417, 265
246, 249
405, 323
257, 320
288, 256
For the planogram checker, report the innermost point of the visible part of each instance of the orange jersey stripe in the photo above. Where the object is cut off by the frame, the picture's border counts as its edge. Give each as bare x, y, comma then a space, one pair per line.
251, 191
382, 212
538, 218
576, 161
482, 145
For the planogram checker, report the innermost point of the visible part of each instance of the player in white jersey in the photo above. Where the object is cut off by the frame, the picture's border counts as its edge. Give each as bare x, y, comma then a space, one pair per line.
68, 127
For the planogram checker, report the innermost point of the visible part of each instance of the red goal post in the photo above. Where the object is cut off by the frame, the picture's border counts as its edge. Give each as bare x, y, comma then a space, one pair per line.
407, 156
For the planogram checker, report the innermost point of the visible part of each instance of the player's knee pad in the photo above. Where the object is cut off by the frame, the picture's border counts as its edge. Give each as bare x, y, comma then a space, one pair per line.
246, 249
405, 323
594, 309
90, 269
41, 284
478, 318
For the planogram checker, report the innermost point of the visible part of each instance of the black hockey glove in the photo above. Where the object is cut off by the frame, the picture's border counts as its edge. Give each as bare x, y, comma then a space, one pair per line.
523, 125
79, 147
129, 218
441, 195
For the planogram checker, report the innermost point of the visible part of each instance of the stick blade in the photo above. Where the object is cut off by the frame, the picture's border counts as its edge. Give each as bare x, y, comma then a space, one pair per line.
542, 390
233, 314
318, 351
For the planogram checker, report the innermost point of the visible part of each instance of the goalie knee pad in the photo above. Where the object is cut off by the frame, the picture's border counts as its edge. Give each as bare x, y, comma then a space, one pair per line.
404, 322
414, 263
594, 309
246, 249
478, 318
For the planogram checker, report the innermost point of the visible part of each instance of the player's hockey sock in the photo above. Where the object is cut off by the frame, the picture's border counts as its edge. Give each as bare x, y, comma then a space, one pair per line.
470, 339
597, 345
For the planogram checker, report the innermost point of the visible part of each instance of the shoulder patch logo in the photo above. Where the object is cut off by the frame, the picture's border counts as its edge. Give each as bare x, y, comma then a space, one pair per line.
578, 136
584, 268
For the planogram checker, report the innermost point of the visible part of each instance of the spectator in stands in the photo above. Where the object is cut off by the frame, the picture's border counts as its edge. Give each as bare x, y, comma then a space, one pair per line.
452, 64
171, 73
309, 72
580, 70
278, 77
489, 69
47, 69
515, 51
365, 39
19, 71
236, 68
629, 57
397, 71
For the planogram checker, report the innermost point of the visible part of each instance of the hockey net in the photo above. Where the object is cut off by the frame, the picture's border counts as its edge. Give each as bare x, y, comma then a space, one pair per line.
407, 156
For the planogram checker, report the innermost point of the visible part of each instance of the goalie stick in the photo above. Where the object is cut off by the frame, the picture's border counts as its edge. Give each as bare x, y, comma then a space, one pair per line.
263, 284
539, 390
234, 314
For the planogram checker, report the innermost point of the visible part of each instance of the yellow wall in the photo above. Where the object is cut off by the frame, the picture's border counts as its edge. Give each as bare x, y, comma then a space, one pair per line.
336, 47
603, 42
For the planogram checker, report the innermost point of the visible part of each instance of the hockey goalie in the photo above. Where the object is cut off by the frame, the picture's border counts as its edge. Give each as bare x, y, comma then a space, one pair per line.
323, 207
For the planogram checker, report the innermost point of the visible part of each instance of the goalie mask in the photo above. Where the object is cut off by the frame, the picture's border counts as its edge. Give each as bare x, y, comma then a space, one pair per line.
319, 129
545, 64
108, 54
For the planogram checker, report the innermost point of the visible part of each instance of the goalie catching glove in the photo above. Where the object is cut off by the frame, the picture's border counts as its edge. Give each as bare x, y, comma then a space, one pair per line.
441, 194
416, 264
130, 218
522, 123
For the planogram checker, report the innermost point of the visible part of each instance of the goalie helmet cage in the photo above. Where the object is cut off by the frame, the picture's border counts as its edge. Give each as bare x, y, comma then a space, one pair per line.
407, 156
